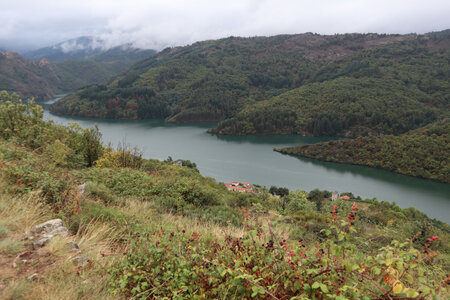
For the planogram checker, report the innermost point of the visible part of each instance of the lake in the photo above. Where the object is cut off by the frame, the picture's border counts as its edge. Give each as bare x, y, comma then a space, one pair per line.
252, 159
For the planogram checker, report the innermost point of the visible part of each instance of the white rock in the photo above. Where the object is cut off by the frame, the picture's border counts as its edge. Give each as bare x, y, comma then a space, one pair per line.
33, 277
45, 232
81, 188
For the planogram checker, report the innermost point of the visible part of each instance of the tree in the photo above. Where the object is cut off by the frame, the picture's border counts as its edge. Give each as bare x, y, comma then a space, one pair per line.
298, 201
92, 145
281, 191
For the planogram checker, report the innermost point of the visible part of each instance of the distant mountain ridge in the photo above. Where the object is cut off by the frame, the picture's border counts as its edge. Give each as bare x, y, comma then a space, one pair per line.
65, 67
87, 47
78, 48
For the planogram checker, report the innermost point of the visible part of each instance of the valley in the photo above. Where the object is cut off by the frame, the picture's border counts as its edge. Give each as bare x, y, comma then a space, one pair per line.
46, 72
290, 166
251, 159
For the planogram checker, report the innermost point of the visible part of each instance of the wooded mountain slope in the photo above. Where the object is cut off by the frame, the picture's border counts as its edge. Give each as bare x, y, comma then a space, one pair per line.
215, 80
30, 79
422, 153
44, 79
385, 90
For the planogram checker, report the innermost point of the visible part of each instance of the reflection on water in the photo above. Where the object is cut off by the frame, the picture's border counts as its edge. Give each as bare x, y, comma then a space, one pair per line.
411, 184
272, 139
252, 159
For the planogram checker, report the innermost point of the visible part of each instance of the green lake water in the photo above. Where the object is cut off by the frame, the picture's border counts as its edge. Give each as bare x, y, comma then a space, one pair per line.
252, 159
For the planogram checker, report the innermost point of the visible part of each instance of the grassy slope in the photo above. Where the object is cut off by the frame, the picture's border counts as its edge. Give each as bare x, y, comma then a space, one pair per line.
130, 207
420, 153
110, 210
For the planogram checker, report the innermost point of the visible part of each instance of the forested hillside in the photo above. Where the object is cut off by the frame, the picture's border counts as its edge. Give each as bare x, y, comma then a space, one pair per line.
263, 85
30, 79
386, 90
142, 228
421, 153
43, 79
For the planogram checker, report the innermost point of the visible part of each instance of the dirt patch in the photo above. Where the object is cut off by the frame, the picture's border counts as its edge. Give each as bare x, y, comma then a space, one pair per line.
25, 264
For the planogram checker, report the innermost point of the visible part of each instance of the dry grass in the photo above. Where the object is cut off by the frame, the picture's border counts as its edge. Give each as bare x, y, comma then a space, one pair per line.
58, 276
146, 212
19, 214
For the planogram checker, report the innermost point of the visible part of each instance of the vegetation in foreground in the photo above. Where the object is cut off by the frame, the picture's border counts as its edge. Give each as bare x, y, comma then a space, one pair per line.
152, 229
420, 153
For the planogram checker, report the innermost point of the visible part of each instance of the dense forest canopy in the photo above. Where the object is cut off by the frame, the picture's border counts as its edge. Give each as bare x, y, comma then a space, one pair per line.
385, 90
250, 79
423, 152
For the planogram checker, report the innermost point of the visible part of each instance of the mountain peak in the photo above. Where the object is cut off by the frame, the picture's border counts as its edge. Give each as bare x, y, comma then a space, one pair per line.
84, 43
84, 47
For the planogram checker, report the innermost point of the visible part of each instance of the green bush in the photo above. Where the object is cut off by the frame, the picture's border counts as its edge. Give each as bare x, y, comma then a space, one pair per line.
222, 215
185, 265
91, 211
34, 172
99, 191
68, 146
298, 201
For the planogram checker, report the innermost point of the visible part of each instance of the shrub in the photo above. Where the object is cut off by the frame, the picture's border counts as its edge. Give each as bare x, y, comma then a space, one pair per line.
91, 211
123, 157
70, 146
58, 152
34, 172
185, 265
101, 192
298, 201
222, 215
122, 182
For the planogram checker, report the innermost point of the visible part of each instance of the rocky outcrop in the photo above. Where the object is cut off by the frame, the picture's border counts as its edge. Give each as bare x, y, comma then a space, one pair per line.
45, 232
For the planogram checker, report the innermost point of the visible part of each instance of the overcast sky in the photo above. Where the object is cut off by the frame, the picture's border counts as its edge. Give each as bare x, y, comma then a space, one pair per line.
158, 23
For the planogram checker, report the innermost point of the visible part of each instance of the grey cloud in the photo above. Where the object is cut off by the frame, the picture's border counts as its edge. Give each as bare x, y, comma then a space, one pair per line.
156, 24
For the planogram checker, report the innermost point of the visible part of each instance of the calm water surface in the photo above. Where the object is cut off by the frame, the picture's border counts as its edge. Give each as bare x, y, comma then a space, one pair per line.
252, 159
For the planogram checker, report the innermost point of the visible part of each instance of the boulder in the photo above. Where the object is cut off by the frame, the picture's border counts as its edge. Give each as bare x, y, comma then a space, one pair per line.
45, 232
72, 246
81, 260
81, 188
